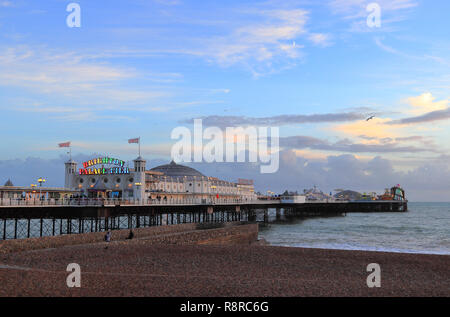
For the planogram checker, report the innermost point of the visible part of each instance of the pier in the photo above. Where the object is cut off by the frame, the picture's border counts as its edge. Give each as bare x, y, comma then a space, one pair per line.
106, 195
21, 219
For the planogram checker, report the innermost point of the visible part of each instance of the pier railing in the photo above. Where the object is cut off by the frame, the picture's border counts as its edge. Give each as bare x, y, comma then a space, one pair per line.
99, 202
10, 202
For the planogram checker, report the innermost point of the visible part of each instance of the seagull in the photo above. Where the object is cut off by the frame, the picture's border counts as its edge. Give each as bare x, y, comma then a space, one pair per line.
370, 118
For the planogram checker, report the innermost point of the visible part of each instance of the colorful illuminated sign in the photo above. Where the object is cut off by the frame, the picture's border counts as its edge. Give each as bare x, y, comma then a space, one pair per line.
89, 168
103, 160
104, 171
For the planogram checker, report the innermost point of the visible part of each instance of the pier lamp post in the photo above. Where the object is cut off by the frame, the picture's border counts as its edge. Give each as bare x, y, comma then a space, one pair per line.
138, 185
40, 181
33, 190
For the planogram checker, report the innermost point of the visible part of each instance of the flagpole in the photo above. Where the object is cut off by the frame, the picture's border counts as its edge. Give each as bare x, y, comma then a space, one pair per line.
139, 146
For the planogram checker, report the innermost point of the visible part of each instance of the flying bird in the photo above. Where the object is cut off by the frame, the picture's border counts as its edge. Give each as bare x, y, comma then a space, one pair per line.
370, 118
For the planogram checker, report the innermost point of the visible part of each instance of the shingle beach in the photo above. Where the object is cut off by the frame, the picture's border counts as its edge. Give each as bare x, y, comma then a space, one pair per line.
137, 268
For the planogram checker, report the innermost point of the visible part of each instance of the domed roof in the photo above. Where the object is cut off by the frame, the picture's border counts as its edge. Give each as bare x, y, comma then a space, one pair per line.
175, 170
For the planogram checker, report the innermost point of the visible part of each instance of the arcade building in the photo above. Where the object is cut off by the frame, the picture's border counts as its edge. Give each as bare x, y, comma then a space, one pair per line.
110, 178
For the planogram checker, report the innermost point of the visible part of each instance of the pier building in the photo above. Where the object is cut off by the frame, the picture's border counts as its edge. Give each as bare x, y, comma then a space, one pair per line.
110, 178
11, 193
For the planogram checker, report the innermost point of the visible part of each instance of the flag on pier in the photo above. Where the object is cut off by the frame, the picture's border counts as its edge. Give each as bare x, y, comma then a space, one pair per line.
66, 144
138, 141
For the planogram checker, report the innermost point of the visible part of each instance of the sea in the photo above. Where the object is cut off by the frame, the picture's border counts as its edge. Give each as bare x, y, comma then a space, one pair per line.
424, 229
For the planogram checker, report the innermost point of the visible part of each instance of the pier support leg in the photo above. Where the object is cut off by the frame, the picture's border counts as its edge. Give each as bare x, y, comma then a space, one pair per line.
250, 215
278, 213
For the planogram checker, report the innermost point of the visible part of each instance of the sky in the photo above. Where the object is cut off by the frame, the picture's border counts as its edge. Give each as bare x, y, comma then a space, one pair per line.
314, 69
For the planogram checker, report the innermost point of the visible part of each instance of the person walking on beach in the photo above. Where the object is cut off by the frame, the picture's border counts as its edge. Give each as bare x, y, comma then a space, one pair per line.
131, 235
108, 238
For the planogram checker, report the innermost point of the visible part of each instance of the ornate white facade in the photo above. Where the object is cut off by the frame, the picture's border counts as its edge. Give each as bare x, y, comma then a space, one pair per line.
171, 182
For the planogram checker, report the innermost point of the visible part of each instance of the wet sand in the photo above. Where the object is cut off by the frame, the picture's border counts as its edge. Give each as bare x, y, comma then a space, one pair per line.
138, 269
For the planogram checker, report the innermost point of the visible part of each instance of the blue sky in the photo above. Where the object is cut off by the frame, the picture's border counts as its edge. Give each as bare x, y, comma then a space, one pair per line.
141, 68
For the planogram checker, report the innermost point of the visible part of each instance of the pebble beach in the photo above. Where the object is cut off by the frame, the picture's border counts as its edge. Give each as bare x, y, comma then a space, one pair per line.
136, 268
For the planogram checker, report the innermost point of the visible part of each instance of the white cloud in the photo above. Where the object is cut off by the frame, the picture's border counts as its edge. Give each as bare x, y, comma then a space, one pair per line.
424, 58
261, 40
260, 45
426, 103
320, 39
6, 4
35, 67
85, 81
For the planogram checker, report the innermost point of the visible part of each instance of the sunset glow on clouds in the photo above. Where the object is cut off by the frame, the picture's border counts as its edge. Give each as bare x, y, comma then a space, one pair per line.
426, 102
